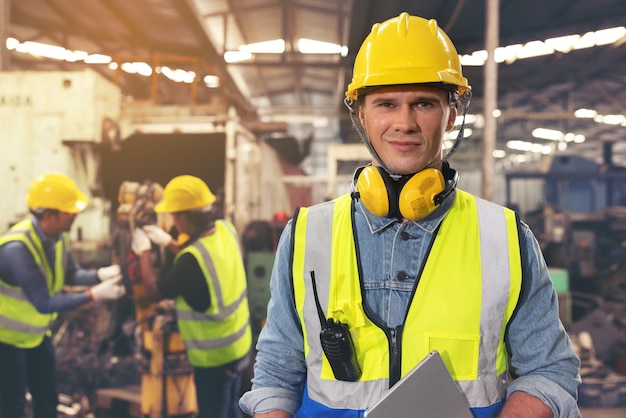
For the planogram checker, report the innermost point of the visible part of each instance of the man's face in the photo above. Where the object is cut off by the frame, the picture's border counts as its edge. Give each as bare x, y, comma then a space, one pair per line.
63, 221
405, 125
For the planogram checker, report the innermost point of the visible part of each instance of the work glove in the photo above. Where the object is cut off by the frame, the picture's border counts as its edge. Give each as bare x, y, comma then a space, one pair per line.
109, 273
157, 235
140, 241
107, 290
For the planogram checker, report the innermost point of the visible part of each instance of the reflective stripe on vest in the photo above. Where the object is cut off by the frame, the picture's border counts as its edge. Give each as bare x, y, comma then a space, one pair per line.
470, 234
222, 333
21, 325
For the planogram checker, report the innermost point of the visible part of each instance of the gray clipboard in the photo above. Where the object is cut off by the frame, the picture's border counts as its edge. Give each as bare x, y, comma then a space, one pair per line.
427, 391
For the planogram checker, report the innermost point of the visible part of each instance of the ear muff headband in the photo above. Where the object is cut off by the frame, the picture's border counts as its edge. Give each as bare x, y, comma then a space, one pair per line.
413, 199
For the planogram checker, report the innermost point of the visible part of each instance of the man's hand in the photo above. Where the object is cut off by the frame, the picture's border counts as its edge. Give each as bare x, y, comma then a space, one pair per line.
107, 290
274, 414
109, 273
157, 235
140, 242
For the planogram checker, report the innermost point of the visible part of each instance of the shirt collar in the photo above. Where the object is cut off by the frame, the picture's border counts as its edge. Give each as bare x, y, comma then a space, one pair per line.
429, 224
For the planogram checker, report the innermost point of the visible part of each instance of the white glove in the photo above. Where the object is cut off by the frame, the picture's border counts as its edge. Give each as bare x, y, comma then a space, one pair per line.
109, 272
140, 242
157, 235
107, 290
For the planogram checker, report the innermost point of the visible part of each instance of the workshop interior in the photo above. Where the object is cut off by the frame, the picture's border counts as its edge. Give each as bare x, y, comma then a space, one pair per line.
248, 95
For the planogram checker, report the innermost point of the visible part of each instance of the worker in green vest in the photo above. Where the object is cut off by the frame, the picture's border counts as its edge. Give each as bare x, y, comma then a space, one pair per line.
36, 262
208, 282
366, 285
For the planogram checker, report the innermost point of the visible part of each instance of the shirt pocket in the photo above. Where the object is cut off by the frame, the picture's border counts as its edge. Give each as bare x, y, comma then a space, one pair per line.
459, 352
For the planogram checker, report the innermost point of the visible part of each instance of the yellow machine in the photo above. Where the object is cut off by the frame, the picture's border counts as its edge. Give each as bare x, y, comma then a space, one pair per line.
167, 385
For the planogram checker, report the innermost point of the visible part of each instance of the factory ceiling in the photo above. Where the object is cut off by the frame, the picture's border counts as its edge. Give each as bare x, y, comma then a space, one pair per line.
292, 88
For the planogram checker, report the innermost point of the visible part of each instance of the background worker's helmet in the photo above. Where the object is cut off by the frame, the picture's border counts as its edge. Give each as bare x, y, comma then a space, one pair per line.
55, 191
185, 193
406, 50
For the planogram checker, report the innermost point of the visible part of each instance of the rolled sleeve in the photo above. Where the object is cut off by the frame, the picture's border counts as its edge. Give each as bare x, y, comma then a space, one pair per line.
263, 400
562, 404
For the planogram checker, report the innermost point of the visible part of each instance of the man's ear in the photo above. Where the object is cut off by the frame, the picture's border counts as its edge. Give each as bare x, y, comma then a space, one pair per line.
361, 116
451, 118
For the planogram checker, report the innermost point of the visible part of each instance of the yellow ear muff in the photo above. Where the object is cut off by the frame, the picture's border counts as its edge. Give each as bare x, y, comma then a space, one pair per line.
416, 199
373, 191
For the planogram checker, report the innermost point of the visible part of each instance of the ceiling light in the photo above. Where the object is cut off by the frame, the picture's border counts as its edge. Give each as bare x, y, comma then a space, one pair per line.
211, 81
42, 50
311, 46
97, 59
554, 135
140, 68
518, 145
608, 36
177, 75
563, 44
608, 119
236, 56
507, 53
534, 49
533, 147
612, 119
12, 43
476, 59
498, 153
547, 149
586, 41
585, 113
550, 134
276, 46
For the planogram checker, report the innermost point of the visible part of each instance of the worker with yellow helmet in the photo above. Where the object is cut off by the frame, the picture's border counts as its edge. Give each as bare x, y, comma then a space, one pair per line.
208, 282
407, 263
36, 262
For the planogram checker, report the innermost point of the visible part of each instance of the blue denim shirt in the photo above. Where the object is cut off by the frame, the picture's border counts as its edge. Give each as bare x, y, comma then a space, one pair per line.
540, 350
18, 268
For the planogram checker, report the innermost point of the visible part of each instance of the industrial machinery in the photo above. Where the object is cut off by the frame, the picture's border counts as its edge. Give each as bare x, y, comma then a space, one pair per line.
579, 218
167, 385
580, 223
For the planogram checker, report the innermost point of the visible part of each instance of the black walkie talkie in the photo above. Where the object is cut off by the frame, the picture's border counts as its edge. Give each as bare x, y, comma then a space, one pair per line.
337, 344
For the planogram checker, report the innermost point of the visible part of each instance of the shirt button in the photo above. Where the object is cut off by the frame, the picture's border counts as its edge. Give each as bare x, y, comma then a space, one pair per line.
404, 236
402, 275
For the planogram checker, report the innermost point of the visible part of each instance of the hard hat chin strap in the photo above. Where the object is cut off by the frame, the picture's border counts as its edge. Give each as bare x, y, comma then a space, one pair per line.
356, 123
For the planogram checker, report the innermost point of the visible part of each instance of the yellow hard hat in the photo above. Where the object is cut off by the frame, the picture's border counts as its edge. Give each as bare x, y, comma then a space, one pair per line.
406, 50
185, 193
55, 191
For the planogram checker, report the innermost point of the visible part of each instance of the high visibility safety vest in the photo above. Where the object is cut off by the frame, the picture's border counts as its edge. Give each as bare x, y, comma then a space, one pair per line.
222, 333
460, 306
21, 324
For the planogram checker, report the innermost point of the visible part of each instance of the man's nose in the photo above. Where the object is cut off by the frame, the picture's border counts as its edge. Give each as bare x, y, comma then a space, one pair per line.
405, 120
